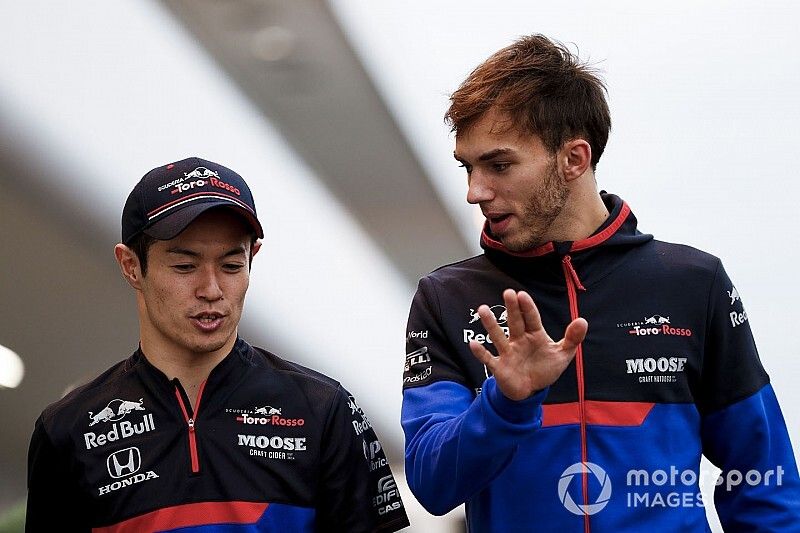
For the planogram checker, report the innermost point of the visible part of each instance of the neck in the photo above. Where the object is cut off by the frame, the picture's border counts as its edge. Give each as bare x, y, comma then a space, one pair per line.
583, 213
190, 368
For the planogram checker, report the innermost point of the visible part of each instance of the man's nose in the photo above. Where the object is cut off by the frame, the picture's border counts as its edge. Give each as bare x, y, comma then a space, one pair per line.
479, 189
209, 286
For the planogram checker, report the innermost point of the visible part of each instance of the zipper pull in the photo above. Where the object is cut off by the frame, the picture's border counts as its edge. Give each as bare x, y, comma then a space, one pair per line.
567, 261
191, 424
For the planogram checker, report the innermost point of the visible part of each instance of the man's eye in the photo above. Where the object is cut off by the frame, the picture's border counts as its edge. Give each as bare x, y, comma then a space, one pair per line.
183, 267
500, 167
233, 267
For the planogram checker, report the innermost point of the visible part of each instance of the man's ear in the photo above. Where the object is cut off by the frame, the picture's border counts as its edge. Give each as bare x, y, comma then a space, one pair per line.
575, 158
129, 265
256, 248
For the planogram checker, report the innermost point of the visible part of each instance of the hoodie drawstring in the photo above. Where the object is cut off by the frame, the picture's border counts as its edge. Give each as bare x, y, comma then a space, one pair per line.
573, 284
569, 272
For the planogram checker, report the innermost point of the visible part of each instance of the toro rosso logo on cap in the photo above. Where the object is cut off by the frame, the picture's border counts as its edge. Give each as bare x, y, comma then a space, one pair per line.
200, 177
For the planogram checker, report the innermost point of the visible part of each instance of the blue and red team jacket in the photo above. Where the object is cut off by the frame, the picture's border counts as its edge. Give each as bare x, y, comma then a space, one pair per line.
270, 447
668, 372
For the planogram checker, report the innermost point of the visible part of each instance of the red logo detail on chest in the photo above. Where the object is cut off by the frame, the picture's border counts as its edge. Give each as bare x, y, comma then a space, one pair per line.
663, 329
273, 420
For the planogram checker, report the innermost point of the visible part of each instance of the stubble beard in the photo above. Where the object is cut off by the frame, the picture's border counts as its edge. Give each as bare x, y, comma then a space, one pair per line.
542, 209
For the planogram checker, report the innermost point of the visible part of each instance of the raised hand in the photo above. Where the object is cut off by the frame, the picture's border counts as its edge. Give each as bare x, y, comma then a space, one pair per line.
528, 359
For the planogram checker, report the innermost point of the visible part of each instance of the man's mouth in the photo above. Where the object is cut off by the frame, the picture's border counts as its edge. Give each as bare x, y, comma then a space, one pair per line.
207, 317
208, 321
496, 219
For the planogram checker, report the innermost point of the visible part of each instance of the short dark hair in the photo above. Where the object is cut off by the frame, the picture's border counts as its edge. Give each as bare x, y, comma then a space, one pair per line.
544, 89
140, 245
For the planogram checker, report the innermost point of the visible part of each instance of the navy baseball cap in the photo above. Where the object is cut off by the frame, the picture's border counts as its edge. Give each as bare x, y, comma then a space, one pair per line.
168, 198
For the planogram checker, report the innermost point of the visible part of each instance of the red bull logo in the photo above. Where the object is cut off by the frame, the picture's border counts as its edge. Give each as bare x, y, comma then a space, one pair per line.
359, 426
733, 295
115, 410
268, 410
119, 431
499, 311
201, 172
657, 319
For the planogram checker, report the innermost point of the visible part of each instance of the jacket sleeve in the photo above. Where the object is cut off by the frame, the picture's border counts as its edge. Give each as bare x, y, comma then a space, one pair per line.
456, 443
54, 498
358, 491
743, 430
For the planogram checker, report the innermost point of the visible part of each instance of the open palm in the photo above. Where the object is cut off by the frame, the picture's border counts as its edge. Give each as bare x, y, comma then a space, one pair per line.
528, 360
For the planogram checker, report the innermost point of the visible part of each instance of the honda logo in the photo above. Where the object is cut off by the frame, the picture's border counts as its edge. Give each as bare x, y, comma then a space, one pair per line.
124, 462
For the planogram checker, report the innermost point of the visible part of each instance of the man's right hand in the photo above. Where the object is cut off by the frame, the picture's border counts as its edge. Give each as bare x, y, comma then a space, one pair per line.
528, 360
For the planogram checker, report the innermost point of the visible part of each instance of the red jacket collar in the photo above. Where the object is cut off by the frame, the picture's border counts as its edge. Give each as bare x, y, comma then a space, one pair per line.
487, 241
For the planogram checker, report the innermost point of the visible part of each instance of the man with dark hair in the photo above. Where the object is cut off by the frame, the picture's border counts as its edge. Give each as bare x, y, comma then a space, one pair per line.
604, 429
198, 430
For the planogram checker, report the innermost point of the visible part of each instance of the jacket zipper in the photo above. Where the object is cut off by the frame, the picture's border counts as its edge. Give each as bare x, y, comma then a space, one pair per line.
190, 418
573, 285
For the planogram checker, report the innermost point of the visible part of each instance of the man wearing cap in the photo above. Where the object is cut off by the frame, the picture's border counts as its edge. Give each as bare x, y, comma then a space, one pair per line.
198, 429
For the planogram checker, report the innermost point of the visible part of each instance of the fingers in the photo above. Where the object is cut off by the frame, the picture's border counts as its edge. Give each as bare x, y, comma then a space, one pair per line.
494, 330
574, 334
530, 314
516, 324
482, 354
521, 316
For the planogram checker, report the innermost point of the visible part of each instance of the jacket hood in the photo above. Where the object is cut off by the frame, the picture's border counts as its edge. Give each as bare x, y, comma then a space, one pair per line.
590, 259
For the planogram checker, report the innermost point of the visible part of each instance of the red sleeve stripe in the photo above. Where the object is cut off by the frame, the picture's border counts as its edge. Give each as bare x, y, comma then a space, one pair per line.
191, 514
597, 413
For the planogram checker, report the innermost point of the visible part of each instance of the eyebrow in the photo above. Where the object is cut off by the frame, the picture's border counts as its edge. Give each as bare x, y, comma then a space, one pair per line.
488, 156
239, 250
